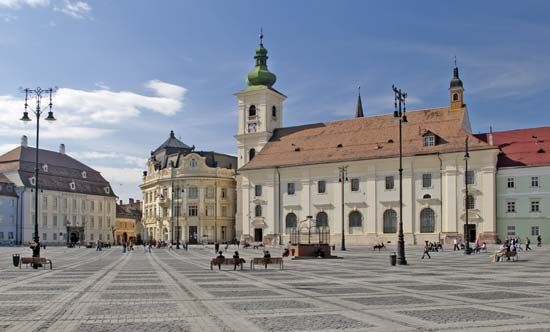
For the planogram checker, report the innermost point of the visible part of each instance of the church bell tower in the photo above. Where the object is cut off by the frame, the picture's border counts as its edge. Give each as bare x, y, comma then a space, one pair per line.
456, 90
260, 108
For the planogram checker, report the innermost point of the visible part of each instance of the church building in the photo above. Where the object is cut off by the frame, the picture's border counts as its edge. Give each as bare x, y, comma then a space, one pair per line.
344, 174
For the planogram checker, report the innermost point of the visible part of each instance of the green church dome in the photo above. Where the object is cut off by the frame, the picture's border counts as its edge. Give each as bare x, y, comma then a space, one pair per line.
260, 75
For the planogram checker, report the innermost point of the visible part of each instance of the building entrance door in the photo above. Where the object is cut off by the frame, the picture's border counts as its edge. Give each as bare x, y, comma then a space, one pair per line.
258, 234
193, 235
471, 231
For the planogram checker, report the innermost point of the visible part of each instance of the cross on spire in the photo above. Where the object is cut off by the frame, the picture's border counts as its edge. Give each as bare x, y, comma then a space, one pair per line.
261, 36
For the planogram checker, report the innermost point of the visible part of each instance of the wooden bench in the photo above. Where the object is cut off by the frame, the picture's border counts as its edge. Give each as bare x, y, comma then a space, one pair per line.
226, 261
35, 260
266, 261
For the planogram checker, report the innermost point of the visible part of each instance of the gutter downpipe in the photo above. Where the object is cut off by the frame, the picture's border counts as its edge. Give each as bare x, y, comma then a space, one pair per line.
440, 195
278, 208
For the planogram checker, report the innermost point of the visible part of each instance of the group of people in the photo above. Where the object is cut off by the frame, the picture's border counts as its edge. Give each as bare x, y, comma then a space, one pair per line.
237, 260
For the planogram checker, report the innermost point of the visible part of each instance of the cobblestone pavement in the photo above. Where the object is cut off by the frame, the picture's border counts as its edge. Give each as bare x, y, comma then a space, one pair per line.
176, 291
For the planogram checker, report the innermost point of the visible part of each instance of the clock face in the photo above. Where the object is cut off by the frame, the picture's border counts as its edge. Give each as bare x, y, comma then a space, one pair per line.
252, 127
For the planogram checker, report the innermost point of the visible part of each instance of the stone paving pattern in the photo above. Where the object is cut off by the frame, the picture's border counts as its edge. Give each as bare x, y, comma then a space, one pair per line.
176, 291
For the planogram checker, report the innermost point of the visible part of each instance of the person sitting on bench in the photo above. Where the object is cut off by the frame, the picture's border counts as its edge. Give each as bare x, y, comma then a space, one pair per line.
220, 257
236, 260
267, 255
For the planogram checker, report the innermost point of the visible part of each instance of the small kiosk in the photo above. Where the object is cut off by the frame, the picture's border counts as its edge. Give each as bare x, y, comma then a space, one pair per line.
310, 239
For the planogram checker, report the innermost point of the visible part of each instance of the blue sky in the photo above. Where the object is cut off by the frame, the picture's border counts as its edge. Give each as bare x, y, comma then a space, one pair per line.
129, 71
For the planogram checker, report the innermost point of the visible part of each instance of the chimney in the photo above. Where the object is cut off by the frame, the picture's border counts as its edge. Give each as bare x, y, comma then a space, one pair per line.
138, 201
24, 141
490, 136
62, 148
131, 201
120, 202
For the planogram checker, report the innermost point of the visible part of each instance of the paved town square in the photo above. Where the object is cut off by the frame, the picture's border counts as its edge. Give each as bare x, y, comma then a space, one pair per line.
174, 290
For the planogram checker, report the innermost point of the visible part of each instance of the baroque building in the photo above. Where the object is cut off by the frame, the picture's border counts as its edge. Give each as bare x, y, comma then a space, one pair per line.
188, 195
289, 173
128, 217
76, 204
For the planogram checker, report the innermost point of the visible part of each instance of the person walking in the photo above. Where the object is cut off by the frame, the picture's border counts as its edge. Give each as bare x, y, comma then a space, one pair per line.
216, 247
426, 251
455, 245
527, 244
539, 241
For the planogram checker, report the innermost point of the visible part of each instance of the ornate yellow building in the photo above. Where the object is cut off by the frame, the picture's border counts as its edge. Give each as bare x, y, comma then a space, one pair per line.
188, 195
127, 218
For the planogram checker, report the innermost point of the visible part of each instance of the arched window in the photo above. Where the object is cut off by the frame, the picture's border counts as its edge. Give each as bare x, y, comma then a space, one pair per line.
390, 221
455, 96
258, 211
470, 202
427, 221
193, 163
355, 219
427, 196
252, 111
322, 219
274, 111
251, 154
291, 220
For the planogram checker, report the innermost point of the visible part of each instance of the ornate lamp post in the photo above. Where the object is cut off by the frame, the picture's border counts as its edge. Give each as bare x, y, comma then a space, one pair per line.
399, 113
467, 249
37, 94
342, 179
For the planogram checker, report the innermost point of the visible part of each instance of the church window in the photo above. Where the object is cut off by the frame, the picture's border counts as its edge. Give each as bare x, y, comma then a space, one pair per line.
193, 192
258, 190
252, 111
355, 184
470, 177
429, 140
455, 96
426, 180
274, 111
389, 183
390, 221
251, 154
290, 189
322, 219
321, 187
355, 219
258, 211
427, 221
470, 202
193, 163
290, 221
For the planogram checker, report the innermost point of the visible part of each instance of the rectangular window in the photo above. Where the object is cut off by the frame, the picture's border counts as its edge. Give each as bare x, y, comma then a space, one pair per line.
74, 205
193, 192
74, 220
510, 183
193, 211
10, 235
83, 205
429, 140
1, 235
92, 222
55, 202
209, 211
45, 202
44, 236
426, 180
92, 236
470, 177
44, 219
321, 187
210, 192
290, 188
535, 206
389, 183
224, 192
510, 207
224, 211
100, 237
92, 205
100, 206
54, 236
535, 231
511, 230
100, 223
355, 184
177, 211
258, 190
65, 204
535, 181
54, 221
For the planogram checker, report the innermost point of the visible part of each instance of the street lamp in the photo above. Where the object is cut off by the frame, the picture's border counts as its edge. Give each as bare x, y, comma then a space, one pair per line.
342, 179
467, 249
399, 113
37, 93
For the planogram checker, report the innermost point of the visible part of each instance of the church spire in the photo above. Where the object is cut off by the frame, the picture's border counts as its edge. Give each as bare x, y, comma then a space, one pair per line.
359, 104
260, 75
456, 89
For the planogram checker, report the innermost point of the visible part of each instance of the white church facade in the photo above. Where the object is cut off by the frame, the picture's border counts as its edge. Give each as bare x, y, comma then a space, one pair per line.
349, 169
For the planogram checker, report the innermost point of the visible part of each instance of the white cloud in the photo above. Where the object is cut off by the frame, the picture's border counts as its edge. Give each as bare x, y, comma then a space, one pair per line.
88, 114
110, 156
8, 18
16, 4
120, 175
7, 147
75, 9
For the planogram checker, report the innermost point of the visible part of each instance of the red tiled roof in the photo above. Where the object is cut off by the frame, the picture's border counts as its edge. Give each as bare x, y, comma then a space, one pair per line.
522, 147
366, 138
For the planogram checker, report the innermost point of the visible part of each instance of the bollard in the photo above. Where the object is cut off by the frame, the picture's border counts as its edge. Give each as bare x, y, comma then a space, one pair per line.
393, 258
16, 259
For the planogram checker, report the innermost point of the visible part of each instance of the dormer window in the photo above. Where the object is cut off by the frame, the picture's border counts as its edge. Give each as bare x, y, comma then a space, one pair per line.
252, 111
107, 190
72, 185
32, 181
429, 140
45, 168
84, 175
193, 163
